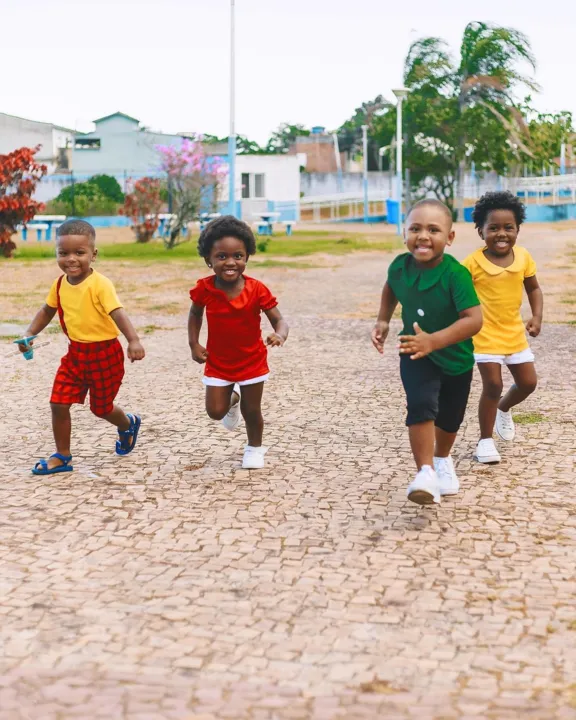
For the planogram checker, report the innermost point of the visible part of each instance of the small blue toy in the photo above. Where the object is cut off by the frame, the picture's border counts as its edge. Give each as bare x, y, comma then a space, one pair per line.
29, 352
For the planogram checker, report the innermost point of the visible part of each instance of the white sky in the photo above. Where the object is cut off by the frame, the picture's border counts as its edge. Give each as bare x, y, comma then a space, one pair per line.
166, 62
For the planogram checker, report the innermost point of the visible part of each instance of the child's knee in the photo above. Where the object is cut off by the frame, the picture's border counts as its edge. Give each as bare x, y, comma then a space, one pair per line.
527, 387
59, 410
102, 411
493, 389
252, 415
217, 412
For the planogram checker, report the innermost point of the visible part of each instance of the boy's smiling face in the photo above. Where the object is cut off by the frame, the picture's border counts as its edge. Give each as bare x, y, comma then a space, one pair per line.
75, 255
428, 231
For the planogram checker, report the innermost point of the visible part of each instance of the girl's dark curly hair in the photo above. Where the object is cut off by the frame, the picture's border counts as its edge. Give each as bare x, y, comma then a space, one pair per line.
226, 226
502, 200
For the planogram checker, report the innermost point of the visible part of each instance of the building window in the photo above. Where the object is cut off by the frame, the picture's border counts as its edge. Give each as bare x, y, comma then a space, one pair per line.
245, 186
259, 185
253, 185
87, 144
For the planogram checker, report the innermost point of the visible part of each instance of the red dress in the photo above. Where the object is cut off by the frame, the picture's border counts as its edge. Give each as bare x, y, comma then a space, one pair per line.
236, 351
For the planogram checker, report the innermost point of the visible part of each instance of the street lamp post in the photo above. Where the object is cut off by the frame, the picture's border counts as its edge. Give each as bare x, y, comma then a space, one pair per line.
365, 153
232, 133
400, 93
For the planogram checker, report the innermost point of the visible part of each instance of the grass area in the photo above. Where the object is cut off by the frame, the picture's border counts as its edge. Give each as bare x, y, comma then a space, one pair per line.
298, 245
528, 418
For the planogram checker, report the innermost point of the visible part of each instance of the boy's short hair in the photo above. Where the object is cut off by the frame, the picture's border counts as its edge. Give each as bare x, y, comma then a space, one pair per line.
226, 226
76, 227
501, 200
434, 202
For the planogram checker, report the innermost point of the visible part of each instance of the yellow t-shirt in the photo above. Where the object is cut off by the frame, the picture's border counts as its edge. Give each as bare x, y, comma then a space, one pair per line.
87, 307
500, 292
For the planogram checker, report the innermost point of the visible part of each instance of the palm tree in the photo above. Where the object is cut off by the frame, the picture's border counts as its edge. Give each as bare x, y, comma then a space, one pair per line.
478, 93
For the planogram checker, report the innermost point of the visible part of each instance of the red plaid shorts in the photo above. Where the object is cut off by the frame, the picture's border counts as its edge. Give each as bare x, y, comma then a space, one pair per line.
96, 366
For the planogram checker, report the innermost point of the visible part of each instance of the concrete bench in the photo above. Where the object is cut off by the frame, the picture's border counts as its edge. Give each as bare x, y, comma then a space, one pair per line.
289, 224
263, 227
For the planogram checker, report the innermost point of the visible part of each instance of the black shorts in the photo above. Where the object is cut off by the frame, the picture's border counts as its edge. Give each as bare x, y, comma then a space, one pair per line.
433, 395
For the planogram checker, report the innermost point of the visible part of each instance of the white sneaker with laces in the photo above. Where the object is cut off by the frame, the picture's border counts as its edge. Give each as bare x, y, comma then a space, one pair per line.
425, 488
486, 452
232, 418
449, 483
505, 425
253, 457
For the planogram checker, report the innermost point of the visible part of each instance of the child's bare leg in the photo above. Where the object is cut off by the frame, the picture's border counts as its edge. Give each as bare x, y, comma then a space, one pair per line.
118, 418
525, 382
218, 401
251, 408
444, 442
62, 429
422, 443
491, 374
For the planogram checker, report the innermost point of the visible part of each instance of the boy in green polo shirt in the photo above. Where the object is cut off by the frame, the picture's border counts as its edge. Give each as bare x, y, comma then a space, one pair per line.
441, 313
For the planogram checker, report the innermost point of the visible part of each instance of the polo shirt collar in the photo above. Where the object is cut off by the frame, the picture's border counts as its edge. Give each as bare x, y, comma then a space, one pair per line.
491, 269
423, 278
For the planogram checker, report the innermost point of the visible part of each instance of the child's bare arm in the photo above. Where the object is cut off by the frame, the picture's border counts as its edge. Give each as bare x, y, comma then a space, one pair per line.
388, 304
199, 353
281, 329
422, 344
536, 300
41, 320
135, 349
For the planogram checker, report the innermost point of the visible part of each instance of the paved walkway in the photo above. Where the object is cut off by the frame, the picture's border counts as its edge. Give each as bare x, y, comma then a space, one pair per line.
173, 585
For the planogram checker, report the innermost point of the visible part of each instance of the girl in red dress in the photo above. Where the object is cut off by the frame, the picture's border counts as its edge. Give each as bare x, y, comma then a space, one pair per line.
235, 357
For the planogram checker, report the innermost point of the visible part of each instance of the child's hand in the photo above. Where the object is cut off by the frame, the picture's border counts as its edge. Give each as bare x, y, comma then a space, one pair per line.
379, 335
417, 346
534, 326
135, 350
22, 346
199, 354
275, 340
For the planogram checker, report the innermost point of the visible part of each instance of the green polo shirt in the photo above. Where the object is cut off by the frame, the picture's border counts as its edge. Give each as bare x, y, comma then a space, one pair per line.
434, 298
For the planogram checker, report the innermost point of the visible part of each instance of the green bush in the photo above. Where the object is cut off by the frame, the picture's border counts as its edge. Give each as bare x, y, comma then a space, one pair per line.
100, 195
84, 205
108, 186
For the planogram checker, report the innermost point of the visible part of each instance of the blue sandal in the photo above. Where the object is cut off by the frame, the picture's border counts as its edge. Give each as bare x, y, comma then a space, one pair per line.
124, 446
41, 467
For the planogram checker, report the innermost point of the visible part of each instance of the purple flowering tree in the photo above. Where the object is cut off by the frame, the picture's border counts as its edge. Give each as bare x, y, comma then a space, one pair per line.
194, 180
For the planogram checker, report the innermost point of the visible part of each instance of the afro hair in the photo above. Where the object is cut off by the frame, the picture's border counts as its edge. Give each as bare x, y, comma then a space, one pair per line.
226, 226
502, 200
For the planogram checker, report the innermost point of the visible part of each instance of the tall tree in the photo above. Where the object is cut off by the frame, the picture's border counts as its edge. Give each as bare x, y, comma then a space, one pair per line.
350, 132
462, 112
286, 134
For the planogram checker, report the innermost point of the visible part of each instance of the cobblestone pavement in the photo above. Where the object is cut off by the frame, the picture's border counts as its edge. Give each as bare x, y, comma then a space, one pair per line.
171, 584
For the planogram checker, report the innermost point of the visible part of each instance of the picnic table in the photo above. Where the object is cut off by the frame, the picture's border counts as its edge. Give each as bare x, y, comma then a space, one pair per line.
43, 222
266, 220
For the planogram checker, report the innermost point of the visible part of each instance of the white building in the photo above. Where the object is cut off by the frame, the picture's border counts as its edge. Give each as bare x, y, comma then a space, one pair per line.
266, 182
120, 146
55, 141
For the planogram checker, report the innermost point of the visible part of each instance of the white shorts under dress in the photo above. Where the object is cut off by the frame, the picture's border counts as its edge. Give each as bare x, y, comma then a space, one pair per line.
218, 382
525, 356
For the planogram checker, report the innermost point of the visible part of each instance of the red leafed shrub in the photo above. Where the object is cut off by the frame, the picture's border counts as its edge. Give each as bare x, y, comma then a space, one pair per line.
19, 175
142, 206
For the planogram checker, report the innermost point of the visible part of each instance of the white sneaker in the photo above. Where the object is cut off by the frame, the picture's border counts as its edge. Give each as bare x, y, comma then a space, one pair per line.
505, 425
486, 452
232, 418
253, 457
425, 488
449, 483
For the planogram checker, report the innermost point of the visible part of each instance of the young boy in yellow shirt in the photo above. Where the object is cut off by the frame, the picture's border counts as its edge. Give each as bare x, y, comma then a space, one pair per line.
91, 315
500, 270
